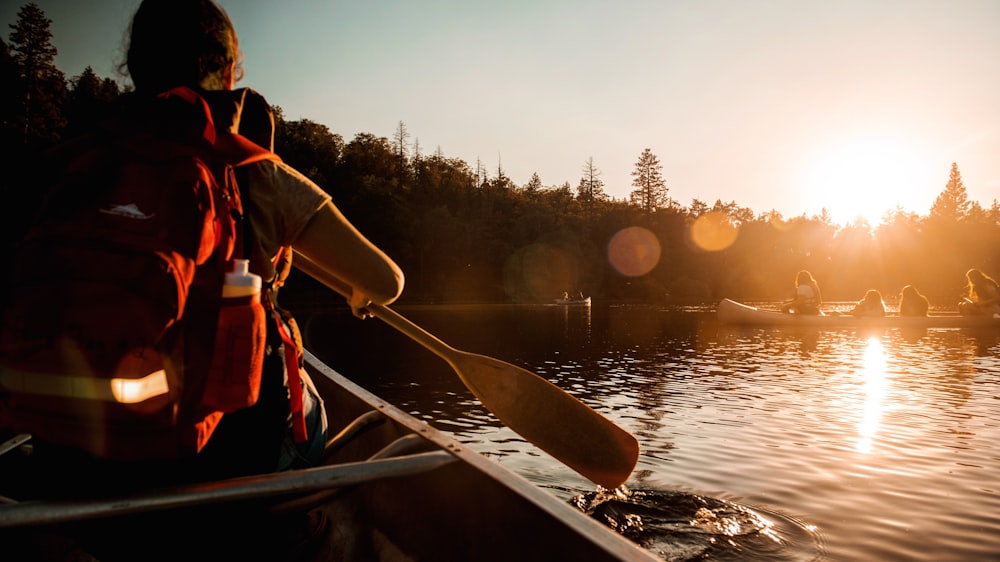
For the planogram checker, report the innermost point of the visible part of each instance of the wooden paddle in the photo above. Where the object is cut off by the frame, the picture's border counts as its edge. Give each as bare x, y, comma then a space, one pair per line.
536, 409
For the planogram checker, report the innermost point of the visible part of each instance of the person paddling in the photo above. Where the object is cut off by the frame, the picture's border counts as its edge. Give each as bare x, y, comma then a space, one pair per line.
191, 46
982, 296
807, 296
189, 49
871, 305
912, 303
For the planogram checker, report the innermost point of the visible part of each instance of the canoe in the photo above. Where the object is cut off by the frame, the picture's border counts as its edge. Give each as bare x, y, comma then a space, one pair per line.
735, 313
574, 302
394, 489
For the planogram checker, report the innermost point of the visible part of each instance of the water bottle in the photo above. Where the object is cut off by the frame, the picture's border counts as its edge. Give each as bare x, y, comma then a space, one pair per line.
240, 282
238, 357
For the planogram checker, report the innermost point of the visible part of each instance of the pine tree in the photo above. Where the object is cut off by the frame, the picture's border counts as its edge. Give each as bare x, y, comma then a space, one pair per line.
9, 97
534, 185
90, 98
651, 192
591, 186
43, 91
399, 138
952, 204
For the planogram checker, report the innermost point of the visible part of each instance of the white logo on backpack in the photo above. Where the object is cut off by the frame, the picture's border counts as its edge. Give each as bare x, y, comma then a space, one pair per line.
130, 211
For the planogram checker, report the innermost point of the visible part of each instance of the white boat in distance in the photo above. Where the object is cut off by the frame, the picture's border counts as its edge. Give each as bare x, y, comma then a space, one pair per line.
574, 301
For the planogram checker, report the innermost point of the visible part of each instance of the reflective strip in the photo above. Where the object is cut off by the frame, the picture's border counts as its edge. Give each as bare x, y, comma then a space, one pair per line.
133, 391
123, 391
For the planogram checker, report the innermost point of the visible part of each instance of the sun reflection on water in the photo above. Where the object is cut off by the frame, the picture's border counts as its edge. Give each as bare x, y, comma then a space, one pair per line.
875, 383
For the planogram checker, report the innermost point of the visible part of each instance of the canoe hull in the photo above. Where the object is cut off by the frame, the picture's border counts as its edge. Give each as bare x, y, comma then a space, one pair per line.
734, 313
473, 509
432, 499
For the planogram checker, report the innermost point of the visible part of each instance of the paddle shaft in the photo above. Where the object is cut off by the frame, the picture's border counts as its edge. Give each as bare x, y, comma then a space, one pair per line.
383, 313
533, 407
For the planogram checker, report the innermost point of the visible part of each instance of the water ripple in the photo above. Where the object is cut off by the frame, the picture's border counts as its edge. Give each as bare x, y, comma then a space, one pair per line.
885, 445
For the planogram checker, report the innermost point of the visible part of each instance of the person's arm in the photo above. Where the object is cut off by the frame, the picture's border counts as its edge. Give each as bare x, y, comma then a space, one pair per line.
330, 241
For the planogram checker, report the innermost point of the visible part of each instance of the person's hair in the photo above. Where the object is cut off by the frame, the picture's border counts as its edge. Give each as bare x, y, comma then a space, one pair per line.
977, 279
180, 43
873, 295
912, 302
806, 278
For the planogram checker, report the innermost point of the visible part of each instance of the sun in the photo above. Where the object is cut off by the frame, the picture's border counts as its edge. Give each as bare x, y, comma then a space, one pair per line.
863, 177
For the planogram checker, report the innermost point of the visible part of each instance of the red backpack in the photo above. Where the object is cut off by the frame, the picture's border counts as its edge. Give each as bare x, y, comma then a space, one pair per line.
109, 336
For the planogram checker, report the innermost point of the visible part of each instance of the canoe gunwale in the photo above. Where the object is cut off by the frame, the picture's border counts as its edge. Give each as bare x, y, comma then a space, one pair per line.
574, 302
236, 489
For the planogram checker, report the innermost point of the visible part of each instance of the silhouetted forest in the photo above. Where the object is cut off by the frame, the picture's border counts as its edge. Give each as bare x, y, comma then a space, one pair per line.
463, 233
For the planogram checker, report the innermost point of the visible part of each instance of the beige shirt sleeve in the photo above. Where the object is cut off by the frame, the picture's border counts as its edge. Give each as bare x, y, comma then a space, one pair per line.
281, 202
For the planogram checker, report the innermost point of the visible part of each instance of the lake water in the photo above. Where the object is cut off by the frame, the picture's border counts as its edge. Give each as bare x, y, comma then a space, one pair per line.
757, 444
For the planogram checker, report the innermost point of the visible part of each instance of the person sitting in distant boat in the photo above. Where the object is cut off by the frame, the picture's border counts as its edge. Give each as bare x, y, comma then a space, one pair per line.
807, 296
871, 305
912, 303
982, 296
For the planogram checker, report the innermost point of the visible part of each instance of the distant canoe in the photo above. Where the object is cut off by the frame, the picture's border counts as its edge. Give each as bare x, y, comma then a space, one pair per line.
735, 313
574, 302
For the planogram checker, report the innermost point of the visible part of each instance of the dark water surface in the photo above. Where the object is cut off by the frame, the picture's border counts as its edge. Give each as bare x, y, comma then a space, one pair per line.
757, 444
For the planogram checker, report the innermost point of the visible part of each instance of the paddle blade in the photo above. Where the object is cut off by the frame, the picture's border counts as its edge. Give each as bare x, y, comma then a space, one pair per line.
552, 419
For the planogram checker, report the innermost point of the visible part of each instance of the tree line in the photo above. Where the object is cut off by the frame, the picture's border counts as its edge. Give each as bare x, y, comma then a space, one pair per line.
463, 233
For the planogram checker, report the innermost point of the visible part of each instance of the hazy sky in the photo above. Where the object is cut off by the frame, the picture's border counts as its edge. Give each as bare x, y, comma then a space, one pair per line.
793, 105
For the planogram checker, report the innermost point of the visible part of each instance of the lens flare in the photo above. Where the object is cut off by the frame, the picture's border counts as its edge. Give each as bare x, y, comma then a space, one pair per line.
713, 232
634, 251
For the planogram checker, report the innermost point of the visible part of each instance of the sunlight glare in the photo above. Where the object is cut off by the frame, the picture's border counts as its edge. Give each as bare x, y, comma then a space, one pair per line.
873, 371
864, 177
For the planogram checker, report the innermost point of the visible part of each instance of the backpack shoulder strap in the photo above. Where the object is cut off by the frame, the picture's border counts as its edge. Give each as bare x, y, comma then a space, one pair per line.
244, 125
